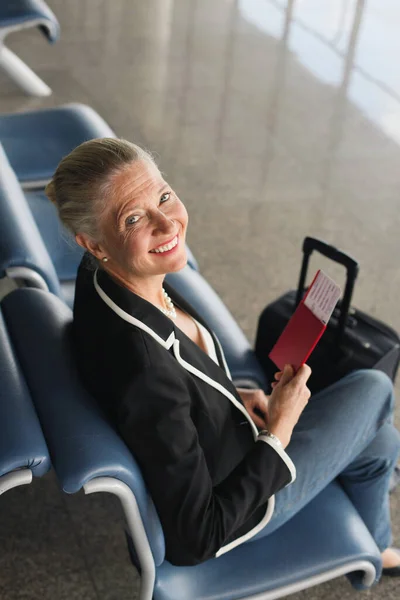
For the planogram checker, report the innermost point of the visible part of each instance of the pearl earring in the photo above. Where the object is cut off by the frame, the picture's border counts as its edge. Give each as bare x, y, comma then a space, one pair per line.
105, 259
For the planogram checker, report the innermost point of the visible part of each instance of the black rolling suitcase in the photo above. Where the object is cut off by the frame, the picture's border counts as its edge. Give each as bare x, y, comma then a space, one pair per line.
352, 340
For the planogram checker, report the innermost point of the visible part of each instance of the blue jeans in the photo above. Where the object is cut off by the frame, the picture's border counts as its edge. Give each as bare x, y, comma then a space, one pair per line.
345, 432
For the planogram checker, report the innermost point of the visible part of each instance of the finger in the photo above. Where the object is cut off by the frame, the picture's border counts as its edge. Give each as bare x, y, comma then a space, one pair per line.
278, 375
257, 420
274, 384
303, 374
287, 375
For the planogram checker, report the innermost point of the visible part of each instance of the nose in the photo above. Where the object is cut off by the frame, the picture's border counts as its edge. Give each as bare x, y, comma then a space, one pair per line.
164, 223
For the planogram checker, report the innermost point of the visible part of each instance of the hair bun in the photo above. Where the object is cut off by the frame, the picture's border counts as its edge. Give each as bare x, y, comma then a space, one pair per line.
51, 192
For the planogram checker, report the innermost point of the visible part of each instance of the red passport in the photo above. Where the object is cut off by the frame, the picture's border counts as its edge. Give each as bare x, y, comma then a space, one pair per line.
308, 323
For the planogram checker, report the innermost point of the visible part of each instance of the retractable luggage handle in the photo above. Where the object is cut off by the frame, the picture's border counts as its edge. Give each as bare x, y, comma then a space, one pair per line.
309, 245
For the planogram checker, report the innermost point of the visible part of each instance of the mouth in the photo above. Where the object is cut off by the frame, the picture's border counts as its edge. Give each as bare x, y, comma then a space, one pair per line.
167, 248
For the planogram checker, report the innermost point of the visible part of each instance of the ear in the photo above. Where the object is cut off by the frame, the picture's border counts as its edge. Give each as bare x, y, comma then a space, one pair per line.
90, 245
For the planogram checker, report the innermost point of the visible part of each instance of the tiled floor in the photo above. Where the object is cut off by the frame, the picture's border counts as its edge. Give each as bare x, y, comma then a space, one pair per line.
273, 119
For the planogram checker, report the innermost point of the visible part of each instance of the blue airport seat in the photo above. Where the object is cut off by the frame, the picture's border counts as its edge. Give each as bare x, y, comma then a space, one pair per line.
16, 15
23, 450
37, 140
325, 540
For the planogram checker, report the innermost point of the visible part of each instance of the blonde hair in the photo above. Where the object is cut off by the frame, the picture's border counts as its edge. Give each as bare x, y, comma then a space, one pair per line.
82, 182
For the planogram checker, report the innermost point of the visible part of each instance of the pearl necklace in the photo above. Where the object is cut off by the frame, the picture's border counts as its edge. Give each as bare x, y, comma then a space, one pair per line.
170, 311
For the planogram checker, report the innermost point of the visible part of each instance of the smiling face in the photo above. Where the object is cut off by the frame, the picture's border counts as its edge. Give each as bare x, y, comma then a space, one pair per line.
142, 215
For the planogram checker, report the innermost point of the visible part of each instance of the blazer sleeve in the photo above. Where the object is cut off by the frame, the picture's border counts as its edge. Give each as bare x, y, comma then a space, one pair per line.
197, 518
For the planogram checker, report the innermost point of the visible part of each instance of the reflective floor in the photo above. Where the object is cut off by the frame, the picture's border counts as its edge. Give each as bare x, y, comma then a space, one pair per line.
273, 120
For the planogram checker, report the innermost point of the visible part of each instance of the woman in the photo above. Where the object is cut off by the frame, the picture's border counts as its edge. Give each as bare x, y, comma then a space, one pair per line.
220, 463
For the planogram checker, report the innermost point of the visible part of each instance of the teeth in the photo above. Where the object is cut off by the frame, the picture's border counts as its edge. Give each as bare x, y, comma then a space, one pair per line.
167, 247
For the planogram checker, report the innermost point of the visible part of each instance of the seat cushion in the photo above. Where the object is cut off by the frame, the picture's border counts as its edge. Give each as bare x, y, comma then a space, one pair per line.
326, 535
36, 141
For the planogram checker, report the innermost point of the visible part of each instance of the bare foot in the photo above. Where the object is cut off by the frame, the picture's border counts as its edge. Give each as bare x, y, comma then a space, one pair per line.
390, 558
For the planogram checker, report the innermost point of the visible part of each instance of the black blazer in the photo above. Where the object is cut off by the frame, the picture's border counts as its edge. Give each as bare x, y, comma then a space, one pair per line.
211, 477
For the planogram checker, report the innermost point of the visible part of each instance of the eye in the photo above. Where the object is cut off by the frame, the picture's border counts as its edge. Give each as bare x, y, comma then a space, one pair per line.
131, 220
165, 196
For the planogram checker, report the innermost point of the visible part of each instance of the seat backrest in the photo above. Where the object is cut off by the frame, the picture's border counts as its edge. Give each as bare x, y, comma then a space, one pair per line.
21, 244
35, 141
83, 444
22, 444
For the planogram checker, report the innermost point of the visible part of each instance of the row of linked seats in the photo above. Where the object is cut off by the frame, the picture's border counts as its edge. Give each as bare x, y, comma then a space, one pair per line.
49, 418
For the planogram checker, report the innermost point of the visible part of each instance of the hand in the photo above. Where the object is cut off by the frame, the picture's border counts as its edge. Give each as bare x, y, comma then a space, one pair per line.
256, 404
289, 397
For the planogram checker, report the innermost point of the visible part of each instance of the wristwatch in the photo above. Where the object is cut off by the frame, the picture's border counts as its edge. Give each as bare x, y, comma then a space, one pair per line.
273, 437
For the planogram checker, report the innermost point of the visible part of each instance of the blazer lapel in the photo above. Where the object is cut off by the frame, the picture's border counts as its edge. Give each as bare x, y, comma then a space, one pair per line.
147, 316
